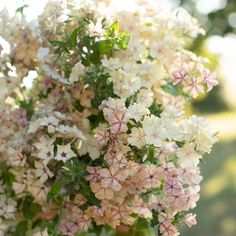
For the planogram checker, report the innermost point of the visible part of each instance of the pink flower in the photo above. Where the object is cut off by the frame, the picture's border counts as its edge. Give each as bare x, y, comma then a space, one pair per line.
190, 175
19, 117
157, 203
179, 76
112, 177
68, 227
102, 137
141, 208
191, 199
194, 87
172, 186
118, 121
101, 192
176, 203
210, 80
84, 222
166, 170
117, 159
94, 173
149, 177
167, 229
190, 220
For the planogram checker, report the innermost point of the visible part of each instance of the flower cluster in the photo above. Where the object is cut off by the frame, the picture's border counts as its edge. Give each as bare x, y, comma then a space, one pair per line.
101, 138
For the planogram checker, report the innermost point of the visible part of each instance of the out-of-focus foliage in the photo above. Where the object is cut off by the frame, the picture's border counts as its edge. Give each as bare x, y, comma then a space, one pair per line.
215, 22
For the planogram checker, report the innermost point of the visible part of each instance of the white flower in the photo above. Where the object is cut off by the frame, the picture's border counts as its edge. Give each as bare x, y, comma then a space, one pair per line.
46, 149
34, 125
39, 192
46, 154
7, 207
42, 172
53, 74
131, 84
187, 151
64, 153
136, 47
154, 132
44, 142
112, 63
171, 129
90, 146
145, 97
51, 122
70, 131
137, 111
204, 141
110, 105
137, 137
96, 29
77, 71
42, 54
171, 112
187, 155
125, 83
130, 68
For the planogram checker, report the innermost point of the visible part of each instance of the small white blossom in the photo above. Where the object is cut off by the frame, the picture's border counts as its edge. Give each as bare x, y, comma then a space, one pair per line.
77, 71
137, 111
137, 137
64, 153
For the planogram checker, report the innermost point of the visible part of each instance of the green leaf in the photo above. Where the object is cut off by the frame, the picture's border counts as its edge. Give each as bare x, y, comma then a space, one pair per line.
85, 190
155, 108
55, 190
7, 177
27, 105
148, 24
168, 88
21, 9
105, 46
150, 154
21, 229
113, 28
73, 37
30, 209
142, 224
123, 41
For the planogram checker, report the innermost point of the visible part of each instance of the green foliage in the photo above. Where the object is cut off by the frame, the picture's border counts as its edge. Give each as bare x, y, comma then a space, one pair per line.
179, 217
142, 224
95, 120
155, 108
116, 38
169, 88
30, 209
6, 175
53, 227
21, 229
90, 49
27, 105
21, 9
72, 179
146, 154
98, 81
54, 193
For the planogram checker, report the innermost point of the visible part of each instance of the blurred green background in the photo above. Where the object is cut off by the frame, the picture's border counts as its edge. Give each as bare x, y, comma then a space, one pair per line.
216, 210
